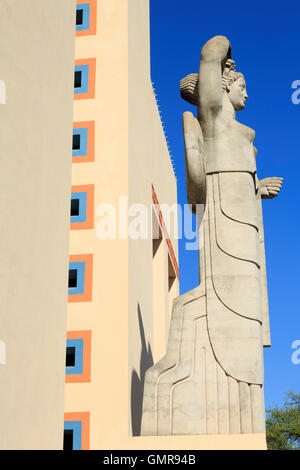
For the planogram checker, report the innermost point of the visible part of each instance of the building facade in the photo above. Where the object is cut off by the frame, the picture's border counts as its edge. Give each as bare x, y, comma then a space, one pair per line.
86, 307
120, 287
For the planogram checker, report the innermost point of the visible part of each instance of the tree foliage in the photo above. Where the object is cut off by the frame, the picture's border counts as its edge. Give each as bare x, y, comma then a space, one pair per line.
283, 424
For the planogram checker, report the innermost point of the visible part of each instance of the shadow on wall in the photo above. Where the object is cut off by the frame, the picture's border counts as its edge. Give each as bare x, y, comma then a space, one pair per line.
137, 382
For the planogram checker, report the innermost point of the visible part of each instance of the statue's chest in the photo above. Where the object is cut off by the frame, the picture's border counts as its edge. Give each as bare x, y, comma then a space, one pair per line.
241, 132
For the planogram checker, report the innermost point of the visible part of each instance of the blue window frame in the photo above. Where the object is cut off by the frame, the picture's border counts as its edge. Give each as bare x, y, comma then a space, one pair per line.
83, 17
79, 200
76, 428
81, 134
77, 368
81, 79
77, 269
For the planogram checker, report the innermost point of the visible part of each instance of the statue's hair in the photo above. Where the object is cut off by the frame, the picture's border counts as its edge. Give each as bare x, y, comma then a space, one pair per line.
231, 77
189, 84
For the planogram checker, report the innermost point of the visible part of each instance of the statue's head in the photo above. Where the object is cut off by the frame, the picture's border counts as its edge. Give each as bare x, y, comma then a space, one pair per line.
234, 85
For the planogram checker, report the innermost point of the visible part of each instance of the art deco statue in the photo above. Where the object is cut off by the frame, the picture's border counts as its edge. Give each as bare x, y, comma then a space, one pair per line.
211, 378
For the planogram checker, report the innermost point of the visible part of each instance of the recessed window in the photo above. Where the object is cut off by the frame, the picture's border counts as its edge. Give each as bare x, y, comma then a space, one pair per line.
68, 439
77, 78
84, 78
76, 431
78, 356
82, 207
79, 16
86, 17
70, 356
80, 281
80, 144
74, 207
83, 141
78, 206
74, 356
73, 435
72, 278
76, 142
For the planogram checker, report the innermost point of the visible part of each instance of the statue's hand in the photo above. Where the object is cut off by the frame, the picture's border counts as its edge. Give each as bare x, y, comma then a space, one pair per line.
270, 187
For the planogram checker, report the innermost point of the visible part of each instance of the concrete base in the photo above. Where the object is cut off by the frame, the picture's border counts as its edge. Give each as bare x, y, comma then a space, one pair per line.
207, 442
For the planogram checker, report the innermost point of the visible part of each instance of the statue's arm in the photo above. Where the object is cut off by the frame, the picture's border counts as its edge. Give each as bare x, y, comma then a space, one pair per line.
213, 58
194, 160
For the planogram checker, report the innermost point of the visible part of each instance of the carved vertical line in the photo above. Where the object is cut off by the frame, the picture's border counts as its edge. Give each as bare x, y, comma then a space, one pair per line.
228, 392
204, 391
212, 415
163, 372
185, 379
251, 417
234, 405
245, 408
239, 405
228, 410
223, 402
257, 405
218, 400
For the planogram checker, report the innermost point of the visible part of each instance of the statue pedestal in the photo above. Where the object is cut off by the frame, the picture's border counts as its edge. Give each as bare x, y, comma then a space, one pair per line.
205, 442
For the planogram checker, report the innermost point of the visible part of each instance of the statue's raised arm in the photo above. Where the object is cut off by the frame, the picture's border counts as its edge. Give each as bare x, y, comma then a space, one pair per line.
214, 56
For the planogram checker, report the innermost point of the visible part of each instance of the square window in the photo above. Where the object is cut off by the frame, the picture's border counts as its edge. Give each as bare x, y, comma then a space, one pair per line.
79, 16
78, 356
70, 356
77, 78
82, 207
84, 78
72, 435
83, 264
83, 17
80, 141
76, 142
86, 20
87, 23
78, 207
83, 143
76, 278
78, 425
74, 207
74, 356
72, 278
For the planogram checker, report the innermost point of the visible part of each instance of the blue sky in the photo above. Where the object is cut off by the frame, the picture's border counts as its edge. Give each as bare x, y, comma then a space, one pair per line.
265, 43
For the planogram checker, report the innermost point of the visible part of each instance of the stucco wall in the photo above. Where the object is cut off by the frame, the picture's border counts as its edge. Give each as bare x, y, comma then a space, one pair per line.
106, 315
37, 53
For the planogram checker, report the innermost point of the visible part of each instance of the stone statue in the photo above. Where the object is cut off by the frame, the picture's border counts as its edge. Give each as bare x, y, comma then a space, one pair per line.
211, 379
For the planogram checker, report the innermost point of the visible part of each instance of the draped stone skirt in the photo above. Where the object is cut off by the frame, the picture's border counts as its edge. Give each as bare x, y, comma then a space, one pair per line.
211, 379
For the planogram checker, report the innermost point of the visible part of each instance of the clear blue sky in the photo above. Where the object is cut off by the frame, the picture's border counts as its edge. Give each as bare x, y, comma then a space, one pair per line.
265, 41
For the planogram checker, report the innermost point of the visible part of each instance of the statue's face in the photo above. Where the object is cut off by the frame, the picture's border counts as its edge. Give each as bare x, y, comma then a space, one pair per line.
237, 94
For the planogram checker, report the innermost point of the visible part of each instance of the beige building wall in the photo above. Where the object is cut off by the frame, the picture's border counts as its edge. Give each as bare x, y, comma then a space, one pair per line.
131, 155
106, 315
37, 52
